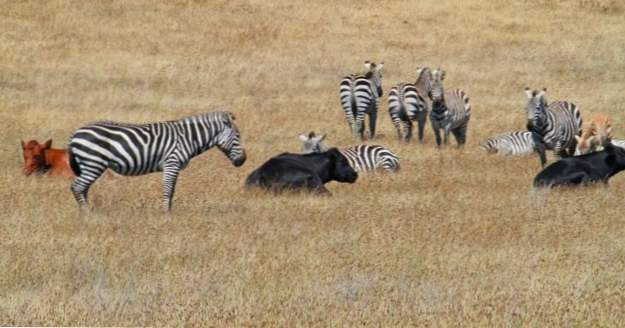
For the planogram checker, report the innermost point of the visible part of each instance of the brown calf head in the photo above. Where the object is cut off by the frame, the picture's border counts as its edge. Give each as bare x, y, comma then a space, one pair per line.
34, 156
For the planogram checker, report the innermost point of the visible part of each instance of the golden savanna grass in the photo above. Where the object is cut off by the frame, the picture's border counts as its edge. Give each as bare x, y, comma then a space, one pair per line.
455, 238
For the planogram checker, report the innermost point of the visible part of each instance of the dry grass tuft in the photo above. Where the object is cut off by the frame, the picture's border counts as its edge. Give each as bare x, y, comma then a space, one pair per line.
456, 237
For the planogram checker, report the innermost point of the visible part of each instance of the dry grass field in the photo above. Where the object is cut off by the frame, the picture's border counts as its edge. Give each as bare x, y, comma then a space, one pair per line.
455, 238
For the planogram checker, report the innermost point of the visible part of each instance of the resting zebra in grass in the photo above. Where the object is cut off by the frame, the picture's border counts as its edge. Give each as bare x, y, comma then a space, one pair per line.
137, 149
554, 126
513, 143
360, 157
360, 95
451, 111
407, 103
595, 136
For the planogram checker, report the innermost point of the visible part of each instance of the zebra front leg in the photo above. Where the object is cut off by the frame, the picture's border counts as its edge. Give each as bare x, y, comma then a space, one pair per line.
540, 148
446, 134
170, 176
437, 133
82, 183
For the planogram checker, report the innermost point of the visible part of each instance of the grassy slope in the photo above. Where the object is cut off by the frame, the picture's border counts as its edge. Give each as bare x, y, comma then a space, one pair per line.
455, 237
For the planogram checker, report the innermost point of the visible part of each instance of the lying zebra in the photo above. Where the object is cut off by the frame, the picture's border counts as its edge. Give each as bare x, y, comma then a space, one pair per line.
360, 157
515, 143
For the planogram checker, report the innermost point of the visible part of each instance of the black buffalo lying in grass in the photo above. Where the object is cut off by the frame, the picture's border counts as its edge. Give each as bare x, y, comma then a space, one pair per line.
302, 172
585, 169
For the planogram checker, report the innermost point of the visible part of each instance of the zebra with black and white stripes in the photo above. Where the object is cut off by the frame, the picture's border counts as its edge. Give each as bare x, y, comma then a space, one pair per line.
360, 157
138, 149
515, 143
360, 96
451, 110
407, 103
554, 126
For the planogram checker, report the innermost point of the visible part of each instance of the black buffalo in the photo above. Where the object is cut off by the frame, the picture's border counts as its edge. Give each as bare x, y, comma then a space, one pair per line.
594, 167
302, 172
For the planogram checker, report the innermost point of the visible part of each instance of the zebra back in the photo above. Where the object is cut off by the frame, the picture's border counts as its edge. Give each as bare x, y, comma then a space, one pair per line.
370, 157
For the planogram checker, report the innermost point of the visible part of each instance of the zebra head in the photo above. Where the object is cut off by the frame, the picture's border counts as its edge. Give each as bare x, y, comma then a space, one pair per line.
375, 75
229, 140
436, 92
312, 143
535, 108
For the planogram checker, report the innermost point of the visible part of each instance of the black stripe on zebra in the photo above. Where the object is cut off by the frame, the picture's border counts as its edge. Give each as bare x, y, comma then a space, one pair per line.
451, 110
137, 149
359, 96
407, 103
554, 126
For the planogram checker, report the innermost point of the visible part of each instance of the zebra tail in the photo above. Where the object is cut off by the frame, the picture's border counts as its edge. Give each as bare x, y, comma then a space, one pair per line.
72, 161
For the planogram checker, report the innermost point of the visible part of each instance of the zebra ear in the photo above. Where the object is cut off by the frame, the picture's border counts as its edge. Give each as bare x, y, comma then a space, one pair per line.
542, 92
47, 144
368, 64
529, 93
380, 65
303, 138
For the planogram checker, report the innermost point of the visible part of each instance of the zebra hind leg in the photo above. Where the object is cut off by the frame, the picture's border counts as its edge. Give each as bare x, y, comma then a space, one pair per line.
373, 117
407, 130
82, 183
460, 134
421, 118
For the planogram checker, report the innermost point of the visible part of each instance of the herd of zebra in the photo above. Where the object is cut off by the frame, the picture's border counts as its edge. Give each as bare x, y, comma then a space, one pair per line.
137, 149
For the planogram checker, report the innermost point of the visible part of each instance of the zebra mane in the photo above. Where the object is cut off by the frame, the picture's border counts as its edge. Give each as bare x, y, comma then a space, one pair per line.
424, 76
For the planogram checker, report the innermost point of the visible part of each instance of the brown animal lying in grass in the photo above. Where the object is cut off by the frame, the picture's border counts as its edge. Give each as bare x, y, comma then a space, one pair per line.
595, 136
42, 158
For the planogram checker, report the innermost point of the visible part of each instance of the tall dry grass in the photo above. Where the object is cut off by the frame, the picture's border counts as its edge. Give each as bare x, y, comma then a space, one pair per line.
455, 238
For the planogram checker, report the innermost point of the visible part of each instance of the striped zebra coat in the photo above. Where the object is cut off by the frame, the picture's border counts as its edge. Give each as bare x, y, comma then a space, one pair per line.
451, 111
513, 143
360, 96
360, 157
554, 126
137, 149
407, 103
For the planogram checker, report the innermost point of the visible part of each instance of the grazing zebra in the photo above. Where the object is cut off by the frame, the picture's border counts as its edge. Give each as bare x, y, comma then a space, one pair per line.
513, 143
137, 149
360, 157
360, 95
406, 103
451, 110
554, 126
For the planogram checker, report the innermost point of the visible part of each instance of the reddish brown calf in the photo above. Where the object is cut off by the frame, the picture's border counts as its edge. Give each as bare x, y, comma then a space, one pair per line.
44, 159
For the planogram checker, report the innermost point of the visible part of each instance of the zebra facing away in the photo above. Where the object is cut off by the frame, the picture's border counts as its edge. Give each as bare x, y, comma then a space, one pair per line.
451, 110
360, 157
407, 103
360, 96
554, 126
516, 143
137, 149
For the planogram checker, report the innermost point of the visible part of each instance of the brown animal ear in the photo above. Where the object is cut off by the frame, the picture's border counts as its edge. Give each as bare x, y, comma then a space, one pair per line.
47, 144
23, 144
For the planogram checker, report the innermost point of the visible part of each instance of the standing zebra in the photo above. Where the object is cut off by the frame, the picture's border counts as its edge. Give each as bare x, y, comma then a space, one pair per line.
513, 143
360, 157
137, 149
406, 103
360, 95
553, 126
451, 110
